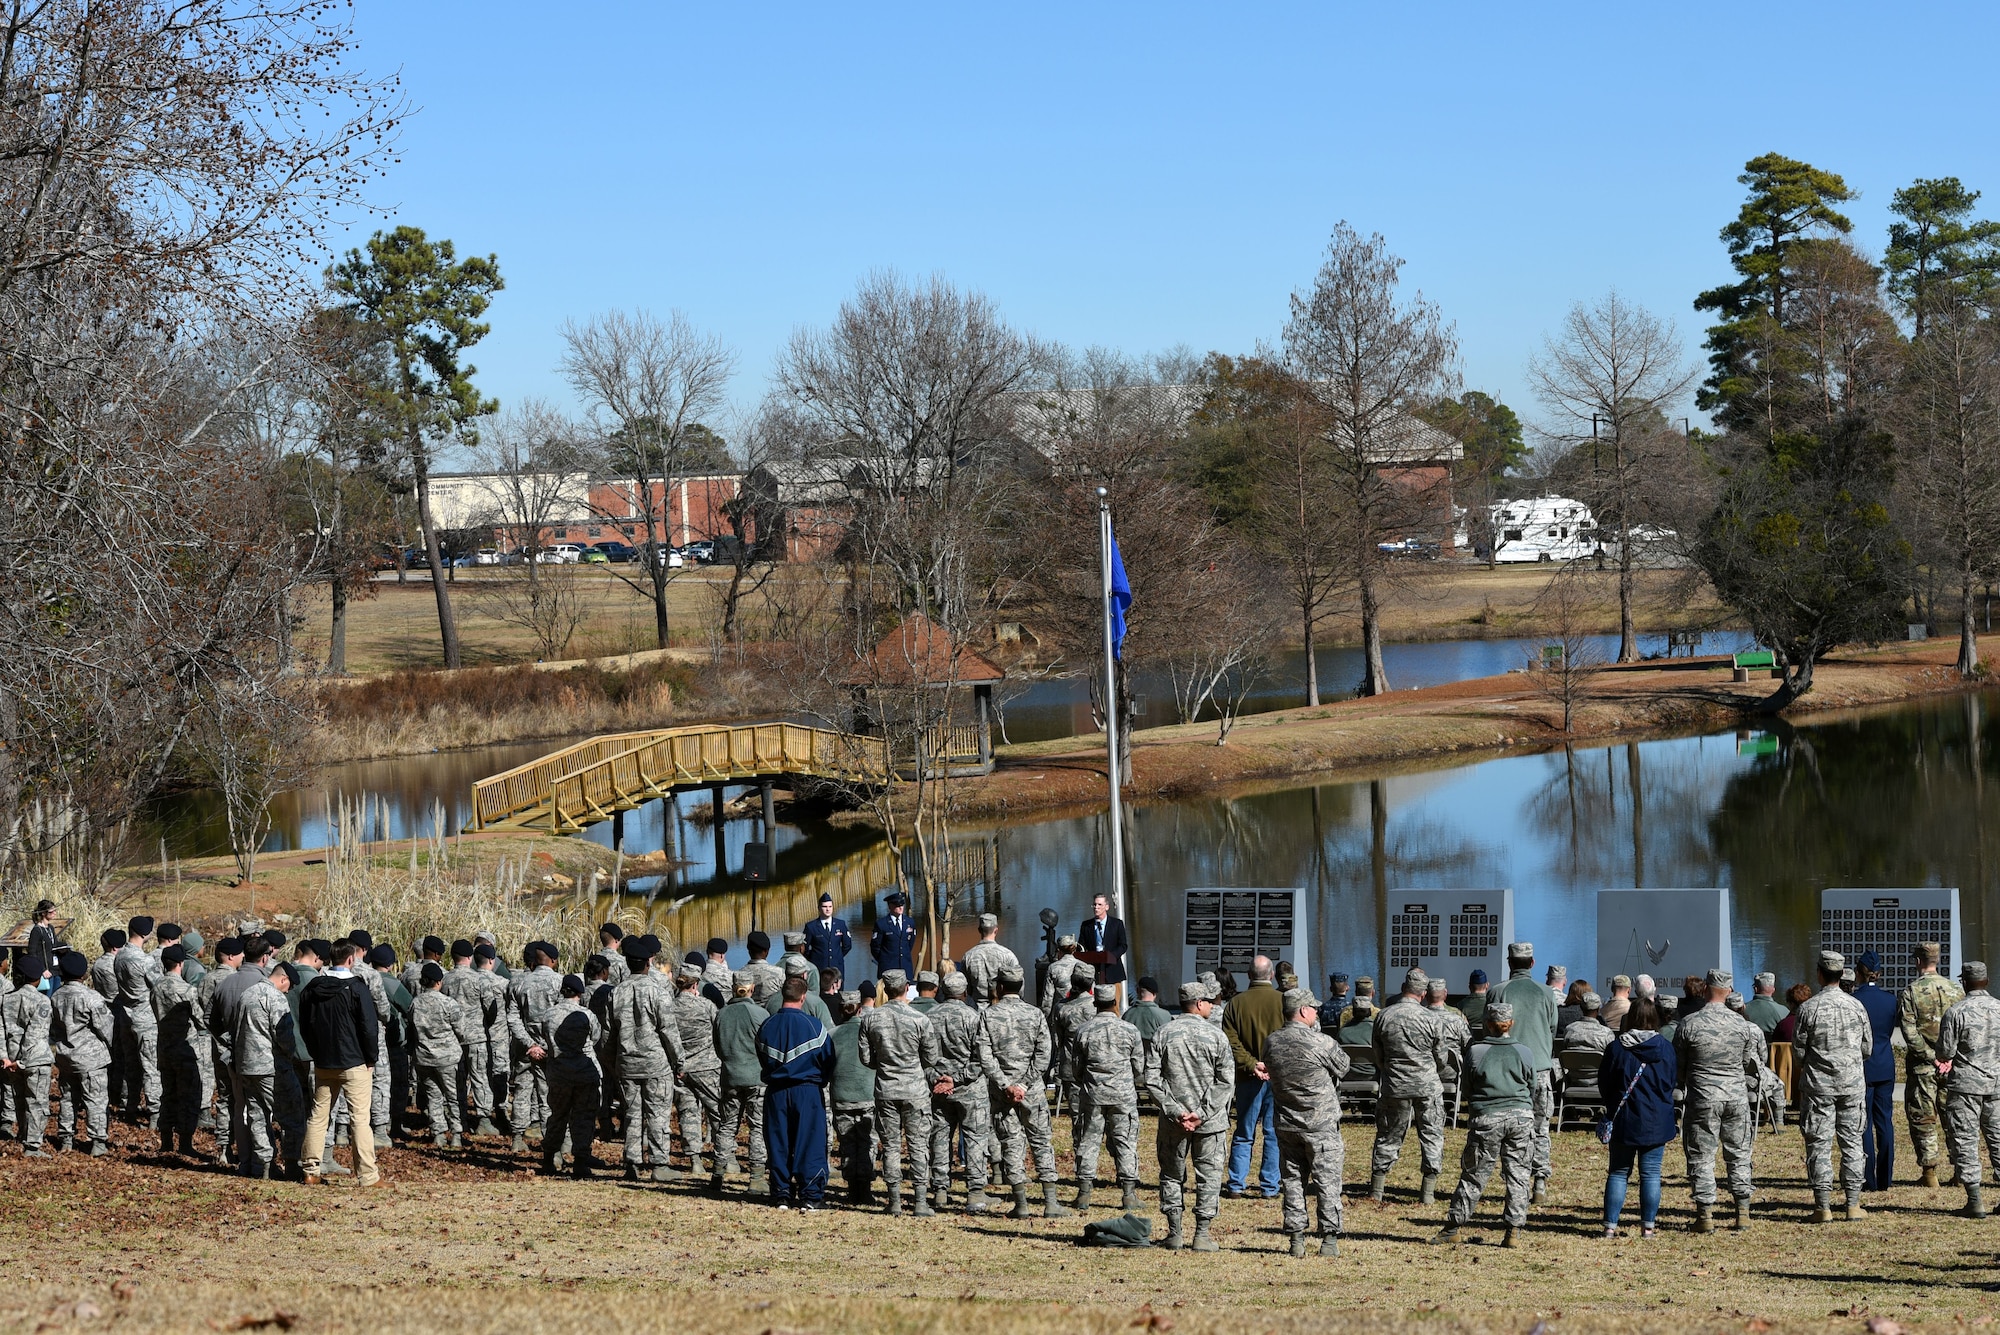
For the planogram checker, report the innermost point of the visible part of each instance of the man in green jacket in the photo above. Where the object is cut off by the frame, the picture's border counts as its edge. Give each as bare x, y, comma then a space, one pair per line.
1534, 1008
1500, 1095
742, 1084
1253, 1015
852, 1094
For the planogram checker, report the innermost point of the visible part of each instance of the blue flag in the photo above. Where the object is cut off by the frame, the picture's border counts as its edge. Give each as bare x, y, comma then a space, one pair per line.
1121, 601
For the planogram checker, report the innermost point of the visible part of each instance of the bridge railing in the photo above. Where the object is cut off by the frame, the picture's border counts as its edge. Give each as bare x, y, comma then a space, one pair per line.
526, 787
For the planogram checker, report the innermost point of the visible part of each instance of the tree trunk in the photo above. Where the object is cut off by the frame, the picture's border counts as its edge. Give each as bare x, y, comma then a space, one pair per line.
336, 650
1312, 663
1798, 681
1968, 640
730, 600
1376, 679
1628, 640
447, 624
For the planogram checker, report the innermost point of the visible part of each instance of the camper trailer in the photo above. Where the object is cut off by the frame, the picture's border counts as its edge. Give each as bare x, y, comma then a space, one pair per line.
1543, 528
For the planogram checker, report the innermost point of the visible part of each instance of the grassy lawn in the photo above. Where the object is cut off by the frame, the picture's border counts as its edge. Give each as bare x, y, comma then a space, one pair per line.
129, 1243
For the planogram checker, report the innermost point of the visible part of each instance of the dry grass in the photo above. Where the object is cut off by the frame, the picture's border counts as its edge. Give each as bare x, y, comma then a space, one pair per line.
479, 1245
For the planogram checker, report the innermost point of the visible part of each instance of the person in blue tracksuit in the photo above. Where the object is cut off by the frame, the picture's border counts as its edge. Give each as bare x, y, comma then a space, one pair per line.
895, 941
827, 938
796, 1054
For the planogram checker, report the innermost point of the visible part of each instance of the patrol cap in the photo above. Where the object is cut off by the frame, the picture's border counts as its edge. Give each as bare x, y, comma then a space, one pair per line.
795, 940
851, 1000
486, 938
73, 965
1766, 980
1298, 999
1066, 942
717, 946
1193, 992
1832, 961
1870, 961
687, 973
1416, 980
1734, 1001
1083, 973
1972, 971
431, 973
1499, 1012
1521, 950
953, 985
1336, 979
169, 957
925, 978
988, 922
797, 968
1591, 1001
1439, 988
742, 982
1928, 952
1720, 978
485, 951
894, 981
1104, 992
1364, 984
1622, 980
1008, 974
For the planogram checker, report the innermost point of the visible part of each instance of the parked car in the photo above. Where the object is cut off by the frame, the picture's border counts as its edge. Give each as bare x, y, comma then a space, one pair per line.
486, 556
701, 552
560, 554
594, 556
670, 557
614, 551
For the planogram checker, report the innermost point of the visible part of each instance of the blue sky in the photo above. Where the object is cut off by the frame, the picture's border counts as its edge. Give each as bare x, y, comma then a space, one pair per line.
1140, 176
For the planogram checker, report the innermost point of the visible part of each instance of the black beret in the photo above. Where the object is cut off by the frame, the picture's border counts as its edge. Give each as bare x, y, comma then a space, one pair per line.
361, 938
167, 931
482, 951
273, 938
433, 945
867, 987
74, 965
111, 938
431, 973
461, 949
612, 930
228, 945
694, 957
1150, 984
572, 986
717, 946
383, 956
30, 968
291, 973
141, 925
173, 955
757, 940
653, 944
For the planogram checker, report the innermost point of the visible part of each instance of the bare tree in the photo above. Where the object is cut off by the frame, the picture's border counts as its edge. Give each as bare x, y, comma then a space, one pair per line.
1222, 655
1372, 365
1565, 664
534, 463
656, 380
1607, 382
250, 741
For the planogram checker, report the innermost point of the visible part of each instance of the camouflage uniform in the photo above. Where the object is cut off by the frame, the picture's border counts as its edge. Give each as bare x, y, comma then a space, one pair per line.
645, 1041
1056, 979
1830, 1042
698, 1094
80, 1039
1534, 1029
137, 1030
1306, 1065
1070, 1018
180, 1039
1014, 1050
1501, 1081
1191, 1070
901, 1047
1919, 1011
968, 1108
982, 965
25, 1016
262, 1058
475, 1085
1110, 1064
1721, 1059
766, 981
208, 1050
381, 1102
1412, 1053
1969, 1038
441, 1026
530, 995
742, 1083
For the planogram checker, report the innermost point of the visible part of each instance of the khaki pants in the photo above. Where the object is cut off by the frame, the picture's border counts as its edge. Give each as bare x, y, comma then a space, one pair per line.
358, 1084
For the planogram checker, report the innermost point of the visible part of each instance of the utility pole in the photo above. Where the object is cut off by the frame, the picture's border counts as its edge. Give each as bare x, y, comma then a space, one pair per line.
1112, 768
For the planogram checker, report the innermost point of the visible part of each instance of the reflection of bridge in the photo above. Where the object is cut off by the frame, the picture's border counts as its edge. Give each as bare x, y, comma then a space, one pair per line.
592, 781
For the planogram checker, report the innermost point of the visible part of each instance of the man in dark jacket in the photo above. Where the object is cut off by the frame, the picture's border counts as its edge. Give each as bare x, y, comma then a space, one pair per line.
796, 1054
1101, 942
827, 939
337, 1015
1253, 1016
895, 942
1878, 1132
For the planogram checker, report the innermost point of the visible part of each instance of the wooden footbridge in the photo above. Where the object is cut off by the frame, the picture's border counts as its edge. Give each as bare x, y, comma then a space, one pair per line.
592, 781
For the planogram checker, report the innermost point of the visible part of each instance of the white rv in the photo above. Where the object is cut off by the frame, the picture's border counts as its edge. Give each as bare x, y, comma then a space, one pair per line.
1543, 528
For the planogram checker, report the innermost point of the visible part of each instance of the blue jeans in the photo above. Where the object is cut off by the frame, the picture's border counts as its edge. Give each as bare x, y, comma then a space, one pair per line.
1615, 1182
1254, 1107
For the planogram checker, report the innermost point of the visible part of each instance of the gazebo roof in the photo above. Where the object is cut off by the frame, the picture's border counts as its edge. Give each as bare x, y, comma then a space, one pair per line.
921, 653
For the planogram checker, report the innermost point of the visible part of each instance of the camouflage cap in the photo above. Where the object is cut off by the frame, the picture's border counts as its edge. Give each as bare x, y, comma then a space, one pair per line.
1009, 973
1104, 992
1066, 942
742, 982
1928, 952
1972, 971
1621, 980
1193, 992
1734, 1001
1591, 1001
1521, 950
1298, 999
1720, 978
988, 922
1832, 961
1439, 988
851, 1000
1364, 984
1083, 974
797, 968
795, 940
953, 985
1499, 1012
895, 981
1766, 980
688, 973
1415, 981
926, 978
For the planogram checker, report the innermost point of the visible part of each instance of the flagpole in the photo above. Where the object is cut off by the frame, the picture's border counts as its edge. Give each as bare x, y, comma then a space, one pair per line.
1111, 706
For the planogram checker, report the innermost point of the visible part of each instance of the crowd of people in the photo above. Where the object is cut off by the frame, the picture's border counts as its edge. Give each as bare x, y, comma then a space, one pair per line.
280, 1050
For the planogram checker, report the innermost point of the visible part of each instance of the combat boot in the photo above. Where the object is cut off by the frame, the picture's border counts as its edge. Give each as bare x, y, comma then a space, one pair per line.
1329, 1245
1131, 1189
1428, 1194
1377, 1185
457, 1141
1854, 1210
1051, 1207
1540, 1194
520, 1144
1703, 1220
1822, 1211
1298, 1246
976, 1200
1930, 1177
1202, 1242
715, 1181
1974, 1207
631, 1172
760, 1182
486, 1128
922, 1209
579, 1169
1512, 1237
1020, 1210
1449, 1233
1172, 1242
895, 1206
98, 1149
1083, 1190
1742, 1212
663, 1172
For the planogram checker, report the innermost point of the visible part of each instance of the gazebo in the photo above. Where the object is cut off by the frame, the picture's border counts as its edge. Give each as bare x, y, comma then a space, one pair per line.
922, 663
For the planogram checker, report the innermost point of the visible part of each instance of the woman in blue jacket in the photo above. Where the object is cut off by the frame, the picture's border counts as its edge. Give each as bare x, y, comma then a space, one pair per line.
1637, 1079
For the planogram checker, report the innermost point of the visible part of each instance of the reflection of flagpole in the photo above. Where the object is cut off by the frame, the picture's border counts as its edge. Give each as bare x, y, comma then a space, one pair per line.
1111, 706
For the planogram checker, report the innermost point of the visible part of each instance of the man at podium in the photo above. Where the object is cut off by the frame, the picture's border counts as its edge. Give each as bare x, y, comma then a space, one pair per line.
1101, 942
